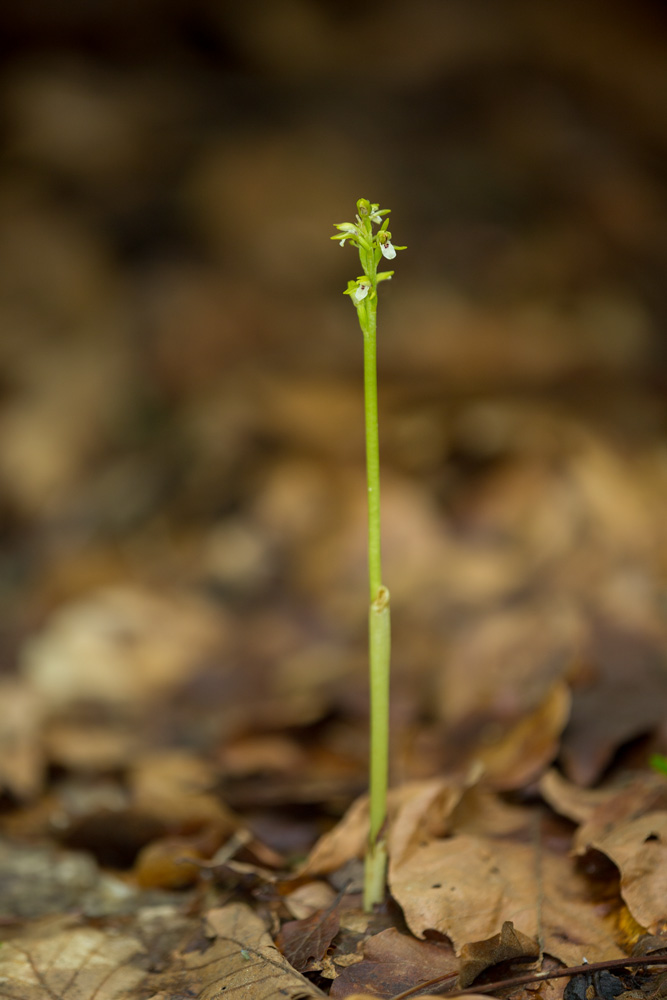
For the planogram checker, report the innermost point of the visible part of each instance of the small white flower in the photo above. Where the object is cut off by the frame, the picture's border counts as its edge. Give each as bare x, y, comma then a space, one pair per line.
388, 250
361, 291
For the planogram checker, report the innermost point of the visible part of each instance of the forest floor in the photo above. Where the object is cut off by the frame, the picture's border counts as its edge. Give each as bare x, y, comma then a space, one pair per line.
183, 736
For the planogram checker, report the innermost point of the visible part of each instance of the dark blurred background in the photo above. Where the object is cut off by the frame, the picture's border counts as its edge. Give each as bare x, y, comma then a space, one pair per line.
180, 374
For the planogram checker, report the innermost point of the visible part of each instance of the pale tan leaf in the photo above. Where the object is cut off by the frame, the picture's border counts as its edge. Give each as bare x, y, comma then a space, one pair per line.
578, 804
141, 643
177, 787
241, 960
309, 898
422, 813
416, 812
71, 963
21, 755
467, 887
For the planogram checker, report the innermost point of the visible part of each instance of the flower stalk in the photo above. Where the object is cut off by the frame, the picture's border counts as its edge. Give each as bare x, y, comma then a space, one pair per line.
372, 248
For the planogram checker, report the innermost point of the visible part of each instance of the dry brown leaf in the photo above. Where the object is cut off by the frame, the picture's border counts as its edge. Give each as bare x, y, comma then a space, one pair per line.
631, 829
308, 898
394, 962
167, 864
176, 787
574, 926
646, 793
502, 667
57, 959
466, 887
21, 752
87, 746
416, 811
423, 811
623, 697
578, 804
374, 996
612, 499
141, 643
487, 814
240, 959
521, 754
305, 942
70, 397
502, 947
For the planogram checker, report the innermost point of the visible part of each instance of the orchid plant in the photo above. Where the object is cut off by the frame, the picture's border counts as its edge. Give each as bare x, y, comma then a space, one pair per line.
373, 247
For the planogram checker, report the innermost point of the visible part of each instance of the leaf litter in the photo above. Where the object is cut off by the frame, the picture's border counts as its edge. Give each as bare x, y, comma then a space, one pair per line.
183, 741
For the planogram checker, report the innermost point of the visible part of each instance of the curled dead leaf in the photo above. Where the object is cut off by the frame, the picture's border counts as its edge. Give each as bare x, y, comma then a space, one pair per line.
503, 947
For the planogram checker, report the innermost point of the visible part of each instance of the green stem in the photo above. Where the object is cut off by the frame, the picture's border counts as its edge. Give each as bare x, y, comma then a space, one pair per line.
379, 649
372, 452
379, 634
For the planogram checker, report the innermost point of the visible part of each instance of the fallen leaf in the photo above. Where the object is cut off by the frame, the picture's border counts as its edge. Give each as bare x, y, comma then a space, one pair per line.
522, 753
394, 962
71, 962
502, 665
484, 812
578, 804
416, 812
574, 925
423, 812
21, 753
86, 746
143, 644
338, 846
176, 787
623, 696
240, 959
305, 942
631, 830
501, 691
374, 996
466, 887
503, 947
308, 898
170, 863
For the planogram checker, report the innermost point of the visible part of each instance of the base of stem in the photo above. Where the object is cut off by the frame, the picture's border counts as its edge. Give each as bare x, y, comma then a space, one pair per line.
375, 875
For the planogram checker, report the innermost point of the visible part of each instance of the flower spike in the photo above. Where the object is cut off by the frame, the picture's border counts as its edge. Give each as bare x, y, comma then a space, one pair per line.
372, 247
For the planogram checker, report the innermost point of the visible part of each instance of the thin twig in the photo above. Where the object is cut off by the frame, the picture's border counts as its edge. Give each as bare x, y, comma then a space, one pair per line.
534, 977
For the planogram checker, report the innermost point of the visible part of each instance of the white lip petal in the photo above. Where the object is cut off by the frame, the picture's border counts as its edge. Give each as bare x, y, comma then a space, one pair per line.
361, 292
387, 250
